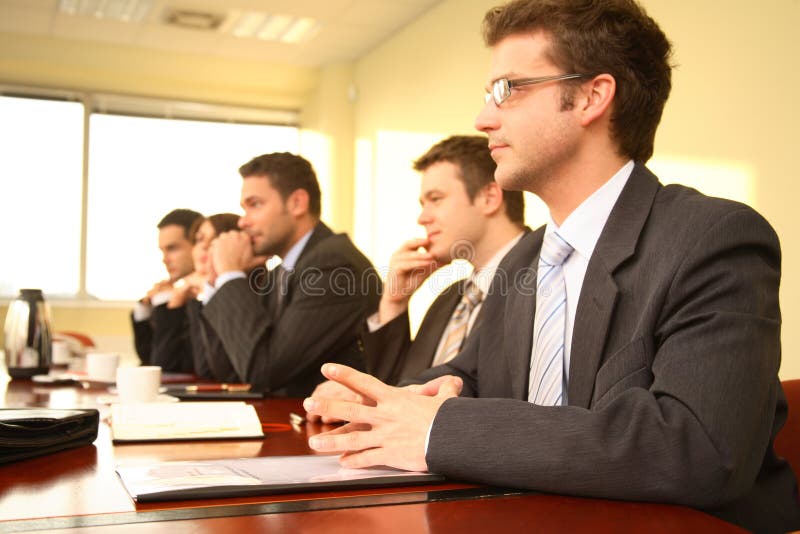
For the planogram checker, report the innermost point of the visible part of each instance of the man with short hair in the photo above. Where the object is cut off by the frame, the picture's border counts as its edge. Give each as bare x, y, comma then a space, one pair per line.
278, 326
466, 216
151, 314
641, 361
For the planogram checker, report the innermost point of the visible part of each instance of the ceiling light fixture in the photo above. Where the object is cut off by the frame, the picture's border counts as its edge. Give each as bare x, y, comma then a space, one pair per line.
303, 29
285, 28
274, 27
119, 10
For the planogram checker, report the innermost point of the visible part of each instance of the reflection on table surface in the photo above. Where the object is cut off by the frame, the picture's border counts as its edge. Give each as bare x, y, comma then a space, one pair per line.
79, 488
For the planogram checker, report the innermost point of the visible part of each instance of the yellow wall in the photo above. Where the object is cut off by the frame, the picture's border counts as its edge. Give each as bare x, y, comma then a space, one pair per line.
327, 141
733, 112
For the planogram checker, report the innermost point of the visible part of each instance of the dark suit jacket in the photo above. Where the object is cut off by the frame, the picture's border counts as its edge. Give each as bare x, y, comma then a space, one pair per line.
332, 289
163, 340
142, 339
172, 348
389, 352
200, 343
673, 382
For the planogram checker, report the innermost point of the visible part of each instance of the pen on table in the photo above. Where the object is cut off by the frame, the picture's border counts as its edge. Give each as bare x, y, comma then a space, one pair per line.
218, 387
296, 419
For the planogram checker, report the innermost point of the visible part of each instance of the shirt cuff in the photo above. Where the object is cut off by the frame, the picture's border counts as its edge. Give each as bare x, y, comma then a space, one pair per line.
428, 438
142, 312
227, 277
373, 323
208, 292
430, 428
160, 298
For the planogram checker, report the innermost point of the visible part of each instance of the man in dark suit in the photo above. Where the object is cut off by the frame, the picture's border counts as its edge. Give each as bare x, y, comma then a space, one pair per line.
638, 356
277, 326
151, 315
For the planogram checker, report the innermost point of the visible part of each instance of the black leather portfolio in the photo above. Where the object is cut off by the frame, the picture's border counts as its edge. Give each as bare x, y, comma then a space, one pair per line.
29, 432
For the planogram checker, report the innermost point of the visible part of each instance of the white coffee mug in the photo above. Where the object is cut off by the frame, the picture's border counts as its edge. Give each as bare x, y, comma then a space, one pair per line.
102, 366
138, 384
61, 352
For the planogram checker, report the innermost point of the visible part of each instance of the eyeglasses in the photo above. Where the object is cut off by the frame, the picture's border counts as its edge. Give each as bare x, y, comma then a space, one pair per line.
501, 89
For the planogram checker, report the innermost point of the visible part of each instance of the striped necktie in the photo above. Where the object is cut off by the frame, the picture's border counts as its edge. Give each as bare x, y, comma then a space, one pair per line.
546, 385
456, 331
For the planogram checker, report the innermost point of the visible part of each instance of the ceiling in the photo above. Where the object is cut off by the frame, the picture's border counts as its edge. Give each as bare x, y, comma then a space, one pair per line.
347, 28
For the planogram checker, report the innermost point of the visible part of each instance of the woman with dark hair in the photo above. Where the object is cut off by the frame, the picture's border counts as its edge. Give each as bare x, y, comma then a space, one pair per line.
182, 334
202, 234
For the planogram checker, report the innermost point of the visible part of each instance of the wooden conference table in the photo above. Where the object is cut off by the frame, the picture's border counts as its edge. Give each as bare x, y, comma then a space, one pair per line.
78, 490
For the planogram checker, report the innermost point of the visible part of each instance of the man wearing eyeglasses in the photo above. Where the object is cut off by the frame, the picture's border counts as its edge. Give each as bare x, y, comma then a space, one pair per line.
643, 362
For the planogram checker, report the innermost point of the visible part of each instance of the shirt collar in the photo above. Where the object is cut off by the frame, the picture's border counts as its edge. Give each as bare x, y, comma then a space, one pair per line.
290, 260
583, 227
484, 276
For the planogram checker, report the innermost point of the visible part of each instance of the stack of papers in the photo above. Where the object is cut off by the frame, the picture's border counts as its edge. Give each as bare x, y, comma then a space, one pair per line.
196, 420
211, 479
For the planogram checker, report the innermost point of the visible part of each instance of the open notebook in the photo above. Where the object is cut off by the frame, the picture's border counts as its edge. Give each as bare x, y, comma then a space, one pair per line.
211, 479
184, 421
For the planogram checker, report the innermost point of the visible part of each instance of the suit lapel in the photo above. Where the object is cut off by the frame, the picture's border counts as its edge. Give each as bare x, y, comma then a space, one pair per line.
520, 309
599, 294
433, 326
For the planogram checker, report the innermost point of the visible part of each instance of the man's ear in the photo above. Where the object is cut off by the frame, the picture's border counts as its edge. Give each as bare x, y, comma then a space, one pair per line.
596, 98
490, 198
297, 203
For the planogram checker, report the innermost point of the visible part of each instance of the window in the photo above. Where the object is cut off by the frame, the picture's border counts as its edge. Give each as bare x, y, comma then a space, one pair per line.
139, 168
41, 172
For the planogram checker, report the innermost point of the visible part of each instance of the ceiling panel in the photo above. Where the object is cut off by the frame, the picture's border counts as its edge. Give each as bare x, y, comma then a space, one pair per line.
349, 29
91, 29
16, 20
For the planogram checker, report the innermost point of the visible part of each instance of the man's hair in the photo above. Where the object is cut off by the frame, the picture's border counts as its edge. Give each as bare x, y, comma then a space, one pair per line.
286, 173
470, 153
220, 222
615, 37
181, 217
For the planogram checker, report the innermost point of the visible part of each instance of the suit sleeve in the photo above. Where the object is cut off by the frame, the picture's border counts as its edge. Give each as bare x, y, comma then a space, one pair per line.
172, 349
199, 342
697, 436
320, 320
385, 349
142, 339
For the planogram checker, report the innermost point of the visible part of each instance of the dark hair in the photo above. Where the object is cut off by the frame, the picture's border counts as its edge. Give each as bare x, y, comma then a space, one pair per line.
221, 222
470, 153
286, 173
614, 37
181, 217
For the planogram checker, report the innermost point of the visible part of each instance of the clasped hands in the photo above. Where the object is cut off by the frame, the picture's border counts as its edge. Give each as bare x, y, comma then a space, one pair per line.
385, 425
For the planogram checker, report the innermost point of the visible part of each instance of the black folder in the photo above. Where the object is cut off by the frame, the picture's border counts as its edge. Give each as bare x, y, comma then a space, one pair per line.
29, 432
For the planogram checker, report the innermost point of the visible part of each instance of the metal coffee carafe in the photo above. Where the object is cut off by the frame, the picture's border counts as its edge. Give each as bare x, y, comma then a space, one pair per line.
28, 341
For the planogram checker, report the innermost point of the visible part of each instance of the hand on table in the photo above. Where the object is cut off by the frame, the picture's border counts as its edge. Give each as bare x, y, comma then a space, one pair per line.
332, 390
390, 425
